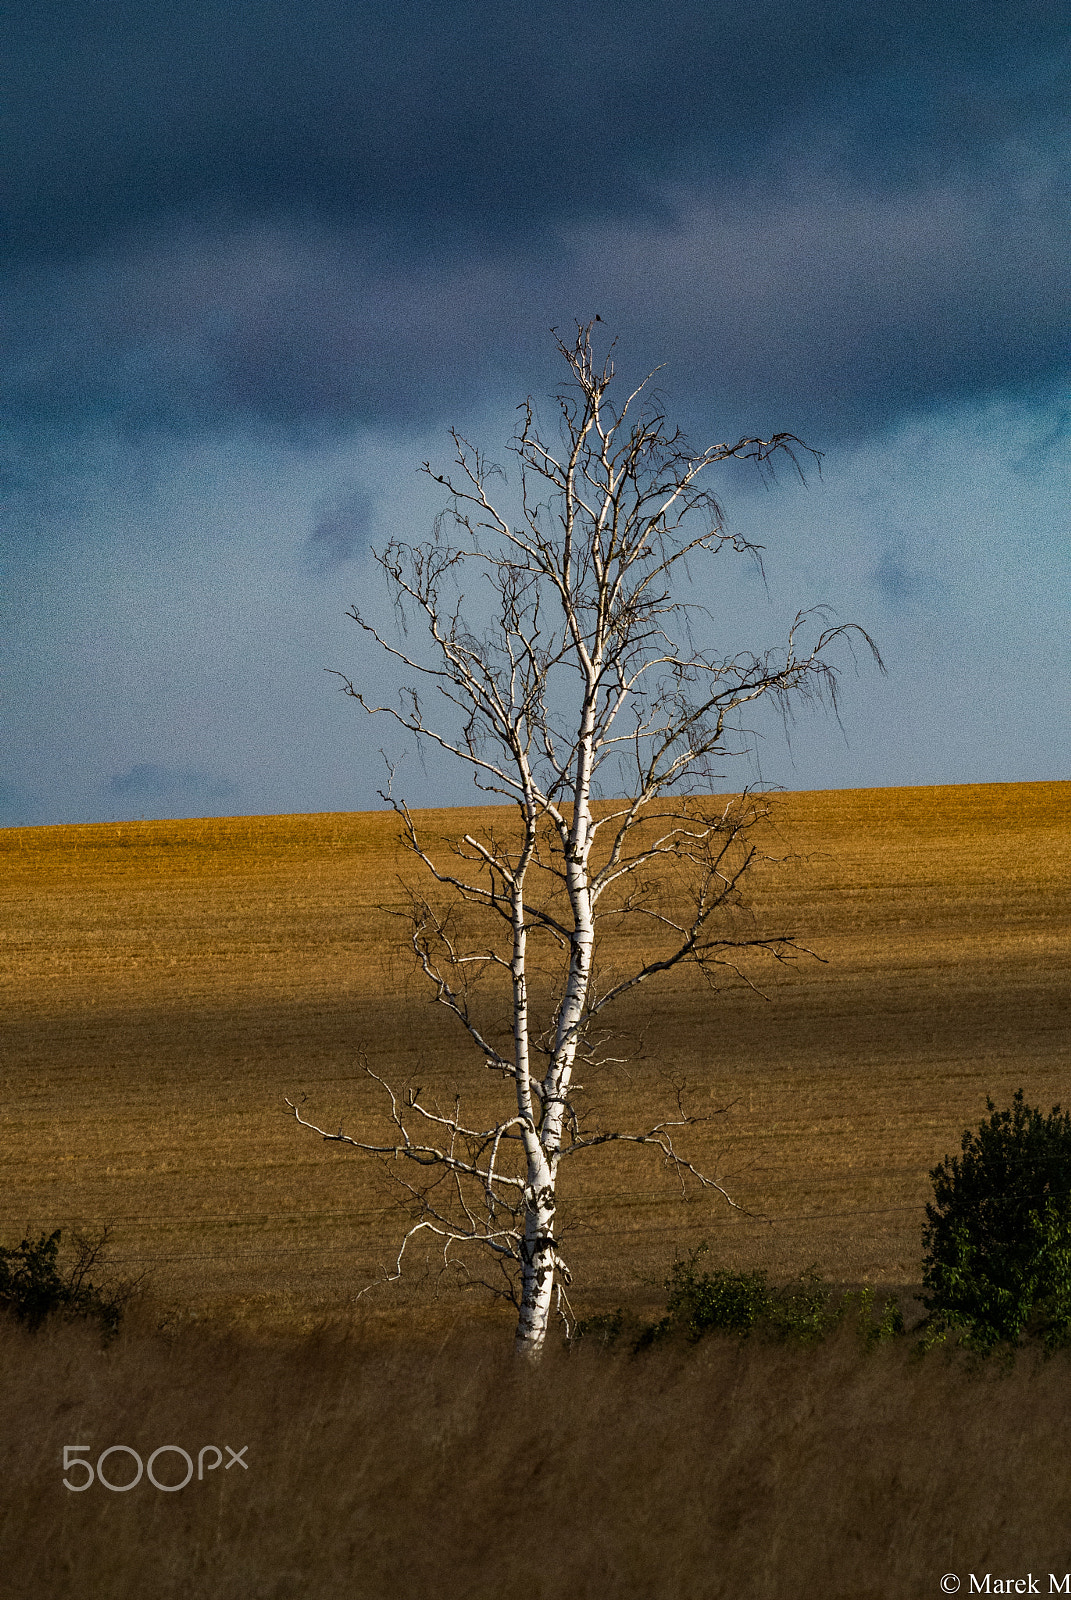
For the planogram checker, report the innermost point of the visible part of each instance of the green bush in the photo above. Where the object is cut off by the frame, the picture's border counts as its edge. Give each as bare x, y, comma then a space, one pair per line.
700, 1302
741, 1303
997, 1237
876, 1322
33, 1287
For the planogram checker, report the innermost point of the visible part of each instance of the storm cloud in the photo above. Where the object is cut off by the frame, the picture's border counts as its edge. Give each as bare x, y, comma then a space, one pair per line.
255, 258
308, 216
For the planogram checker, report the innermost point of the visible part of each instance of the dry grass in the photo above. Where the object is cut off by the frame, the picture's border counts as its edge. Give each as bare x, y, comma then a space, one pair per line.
165, 983
395, 1471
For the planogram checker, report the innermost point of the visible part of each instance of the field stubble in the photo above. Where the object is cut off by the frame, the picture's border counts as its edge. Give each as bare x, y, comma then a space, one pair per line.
164, 984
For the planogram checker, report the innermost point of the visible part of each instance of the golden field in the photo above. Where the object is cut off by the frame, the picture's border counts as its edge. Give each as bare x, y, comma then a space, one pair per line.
165, 984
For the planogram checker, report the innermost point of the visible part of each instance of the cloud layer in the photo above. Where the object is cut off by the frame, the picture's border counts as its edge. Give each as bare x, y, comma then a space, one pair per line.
306, 217
255, 258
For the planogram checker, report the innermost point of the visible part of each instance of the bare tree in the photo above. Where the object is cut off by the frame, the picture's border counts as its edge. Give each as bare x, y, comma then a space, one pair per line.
586, 683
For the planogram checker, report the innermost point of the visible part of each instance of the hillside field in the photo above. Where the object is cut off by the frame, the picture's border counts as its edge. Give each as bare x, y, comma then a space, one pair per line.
165, 984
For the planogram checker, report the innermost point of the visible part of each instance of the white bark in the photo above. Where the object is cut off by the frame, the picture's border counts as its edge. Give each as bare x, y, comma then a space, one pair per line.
585, 588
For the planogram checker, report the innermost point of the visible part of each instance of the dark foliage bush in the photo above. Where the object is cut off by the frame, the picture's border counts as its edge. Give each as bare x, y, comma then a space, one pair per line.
34, 1287
701, 1302
720, 1301
997, 1237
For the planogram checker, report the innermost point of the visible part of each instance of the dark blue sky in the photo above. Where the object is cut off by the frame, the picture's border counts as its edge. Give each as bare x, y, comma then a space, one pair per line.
256, 257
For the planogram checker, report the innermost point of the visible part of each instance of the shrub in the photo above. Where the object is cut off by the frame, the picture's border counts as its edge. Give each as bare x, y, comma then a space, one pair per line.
997, 1236
878, 1322
741, 1303
699, 1302
33, 1287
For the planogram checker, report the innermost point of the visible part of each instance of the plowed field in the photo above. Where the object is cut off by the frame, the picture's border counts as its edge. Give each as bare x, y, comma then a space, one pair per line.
164, 984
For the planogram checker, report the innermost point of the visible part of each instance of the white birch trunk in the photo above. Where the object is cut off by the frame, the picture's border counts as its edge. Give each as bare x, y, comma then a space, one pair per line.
538, 1254
538, 1248
539, 1251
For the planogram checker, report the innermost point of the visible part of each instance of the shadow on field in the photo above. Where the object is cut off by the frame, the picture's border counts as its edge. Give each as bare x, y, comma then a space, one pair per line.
401, 1470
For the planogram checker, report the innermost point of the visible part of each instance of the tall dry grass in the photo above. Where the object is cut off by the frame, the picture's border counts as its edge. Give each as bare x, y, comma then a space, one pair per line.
400, 1470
